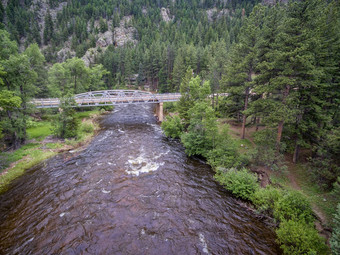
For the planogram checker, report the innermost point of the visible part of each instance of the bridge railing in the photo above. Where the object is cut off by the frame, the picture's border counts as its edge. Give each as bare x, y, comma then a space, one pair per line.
97, 98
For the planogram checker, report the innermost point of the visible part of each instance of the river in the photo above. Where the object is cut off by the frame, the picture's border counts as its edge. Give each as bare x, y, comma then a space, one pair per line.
131, 191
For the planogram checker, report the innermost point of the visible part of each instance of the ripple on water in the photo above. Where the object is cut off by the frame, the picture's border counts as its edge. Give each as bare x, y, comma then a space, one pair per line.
90, 201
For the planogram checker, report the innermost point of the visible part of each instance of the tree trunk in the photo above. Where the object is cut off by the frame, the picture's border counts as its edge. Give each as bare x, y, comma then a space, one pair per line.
279, 134
296, 152
243, 132
75, 84
216, 104
280, 126
213, 101
257, 123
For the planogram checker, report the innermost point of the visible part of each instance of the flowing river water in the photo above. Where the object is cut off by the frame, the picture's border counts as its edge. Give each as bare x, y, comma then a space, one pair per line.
131, 191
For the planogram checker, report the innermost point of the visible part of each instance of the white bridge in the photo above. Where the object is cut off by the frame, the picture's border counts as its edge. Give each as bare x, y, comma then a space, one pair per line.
113, 97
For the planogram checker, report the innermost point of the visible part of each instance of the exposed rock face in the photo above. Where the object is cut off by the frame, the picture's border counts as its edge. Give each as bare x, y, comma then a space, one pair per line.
166, 16
145, 10
4, 3
64, 54
214, 14
120, 36
90, 56
124, 33
105, 39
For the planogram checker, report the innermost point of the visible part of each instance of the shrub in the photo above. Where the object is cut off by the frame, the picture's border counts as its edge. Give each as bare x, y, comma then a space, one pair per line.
66, 124
225, 153
87, 128
292, 206
335, 239
264, 199
30, 123
172, 127
106, 108
299, 237
241, 183
336, 188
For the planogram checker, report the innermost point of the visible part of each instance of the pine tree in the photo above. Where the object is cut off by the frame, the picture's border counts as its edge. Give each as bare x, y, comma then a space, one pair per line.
241, 68
49, 28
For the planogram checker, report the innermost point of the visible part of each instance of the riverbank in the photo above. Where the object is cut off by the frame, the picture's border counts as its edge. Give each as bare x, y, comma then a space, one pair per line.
292, 176
246, 168
41, 145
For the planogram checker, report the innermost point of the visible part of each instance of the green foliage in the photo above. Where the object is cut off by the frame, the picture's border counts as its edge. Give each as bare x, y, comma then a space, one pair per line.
66, 124
325, 165
19, 78
293, 206
201, 134
225, 153
9, 100
241, 183
172, 126
266, 198
265, 152
74, 77
299, 237
335, 239
336, 187
86, 128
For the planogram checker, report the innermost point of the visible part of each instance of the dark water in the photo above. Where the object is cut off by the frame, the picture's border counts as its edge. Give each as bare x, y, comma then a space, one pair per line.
131, 191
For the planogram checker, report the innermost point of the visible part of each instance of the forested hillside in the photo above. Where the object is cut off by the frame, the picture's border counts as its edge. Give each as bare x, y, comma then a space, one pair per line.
160, 38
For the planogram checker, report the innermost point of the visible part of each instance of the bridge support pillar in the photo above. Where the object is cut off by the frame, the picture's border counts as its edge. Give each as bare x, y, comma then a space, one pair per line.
159, 112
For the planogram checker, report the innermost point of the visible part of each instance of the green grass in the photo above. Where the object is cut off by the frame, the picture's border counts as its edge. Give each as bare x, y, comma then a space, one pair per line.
43, 129
35, 157
34, 154
53, 145
325, 201
10, 157
87, 114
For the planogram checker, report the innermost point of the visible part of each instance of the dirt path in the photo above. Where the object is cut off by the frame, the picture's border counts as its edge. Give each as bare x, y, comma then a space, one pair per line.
265, 173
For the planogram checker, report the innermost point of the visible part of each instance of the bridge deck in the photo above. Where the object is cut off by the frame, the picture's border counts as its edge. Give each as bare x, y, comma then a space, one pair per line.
110, 97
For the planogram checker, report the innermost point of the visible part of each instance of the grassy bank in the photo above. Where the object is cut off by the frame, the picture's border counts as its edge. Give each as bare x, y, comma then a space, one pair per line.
42, 145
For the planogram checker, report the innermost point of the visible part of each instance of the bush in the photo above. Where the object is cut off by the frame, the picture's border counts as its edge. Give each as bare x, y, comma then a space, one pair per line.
107, 108
169, 106
172, 126
292, 206
66, 124
336, 188
30, 123
241, 183
335, 239
264, 199
299, 237
225, 153
86, 128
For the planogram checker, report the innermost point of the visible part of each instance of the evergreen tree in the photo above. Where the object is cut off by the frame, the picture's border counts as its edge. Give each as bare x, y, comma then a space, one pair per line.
49, 28
241, 68
66, 125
